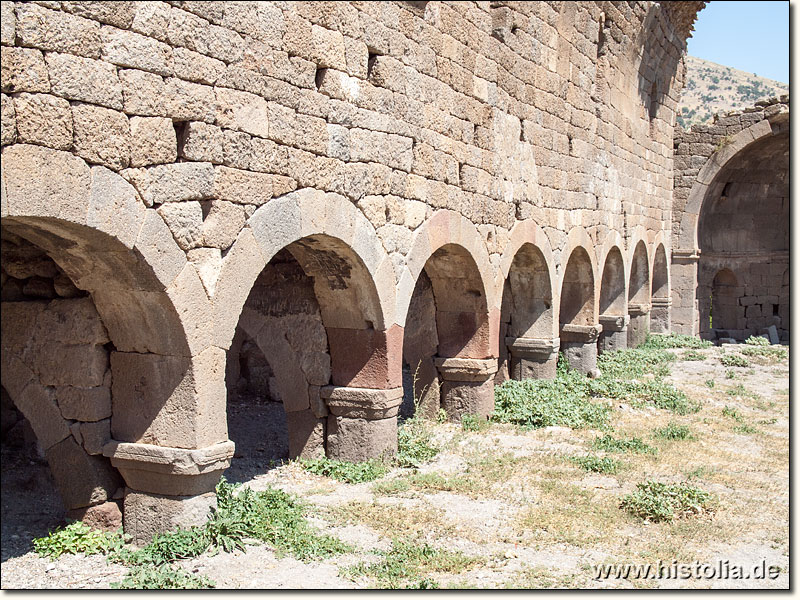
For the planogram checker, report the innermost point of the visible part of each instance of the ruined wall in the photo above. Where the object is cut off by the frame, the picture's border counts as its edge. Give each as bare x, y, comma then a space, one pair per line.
731, 224
164, 153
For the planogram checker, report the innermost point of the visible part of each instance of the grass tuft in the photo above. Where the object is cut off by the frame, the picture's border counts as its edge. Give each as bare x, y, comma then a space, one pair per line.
733, 360
162, 577
611, 444
674, 431
673, 340
597, 464
347, 472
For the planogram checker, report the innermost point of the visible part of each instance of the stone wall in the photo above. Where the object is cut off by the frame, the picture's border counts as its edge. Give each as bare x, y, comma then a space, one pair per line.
164, 153
731, 224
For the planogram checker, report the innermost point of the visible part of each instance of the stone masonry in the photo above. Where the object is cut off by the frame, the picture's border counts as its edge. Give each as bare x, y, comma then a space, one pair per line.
364, 205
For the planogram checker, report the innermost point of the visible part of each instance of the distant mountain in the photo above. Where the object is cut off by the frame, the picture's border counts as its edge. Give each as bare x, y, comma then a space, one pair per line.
711, 88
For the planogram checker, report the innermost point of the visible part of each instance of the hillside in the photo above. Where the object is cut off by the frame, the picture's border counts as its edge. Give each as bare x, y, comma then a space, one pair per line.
712, 88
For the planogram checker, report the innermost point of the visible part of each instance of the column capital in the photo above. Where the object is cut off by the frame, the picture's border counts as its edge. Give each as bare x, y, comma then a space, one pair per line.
535, 348
362, 403
170, 471
614, 322
466, 369
637, 310
580, 333
686, 254
661, 302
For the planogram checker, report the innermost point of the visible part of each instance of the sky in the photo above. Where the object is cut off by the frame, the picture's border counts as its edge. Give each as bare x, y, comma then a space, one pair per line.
749, 36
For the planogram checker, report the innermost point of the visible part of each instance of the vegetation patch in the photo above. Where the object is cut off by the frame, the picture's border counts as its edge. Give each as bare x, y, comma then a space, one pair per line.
656, 501
674, 340
474, 423
408, 565
673, 432
162, 577
733, 360
77, 538
692, 355
611, 444
597, 464
347, 472
769, 354
415, 444
757, 340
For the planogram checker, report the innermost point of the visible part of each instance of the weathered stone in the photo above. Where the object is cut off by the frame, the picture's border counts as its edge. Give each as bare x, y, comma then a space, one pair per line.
82, 480
44, 120
85, 80
84, 404
143, 93
105, 517
222, 224
185, 221
95, 436
151, 19
102, 136
242, 187
208, 262
146, 515
306, 434
8, 121
7, 23
242, 111
129, 49
357, 440
118, 14
201, 142
173, 183
152, 141
56, 31
23, 70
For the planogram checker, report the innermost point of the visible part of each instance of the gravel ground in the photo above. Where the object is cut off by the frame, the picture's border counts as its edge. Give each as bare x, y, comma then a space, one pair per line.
479, 524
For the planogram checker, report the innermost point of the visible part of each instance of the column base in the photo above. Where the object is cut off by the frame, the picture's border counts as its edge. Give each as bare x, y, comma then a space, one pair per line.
660, 315
468, 386
532, 358
615, 333
639, 324
579, 345
147, 515
363, 422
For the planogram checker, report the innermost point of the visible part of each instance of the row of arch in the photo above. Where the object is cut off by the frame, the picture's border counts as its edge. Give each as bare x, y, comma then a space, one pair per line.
169, 339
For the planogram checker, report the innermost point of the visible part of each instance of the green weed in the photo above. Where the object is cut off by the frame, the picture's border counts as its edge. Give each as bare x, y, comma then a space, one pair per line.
162, 577
415, 444
710, 383
597, 464
757, 340
635, 445
692, 355
406, 562
473, 423
674, 431
347, 472
77, 538
733, 360
673, 340
656, 501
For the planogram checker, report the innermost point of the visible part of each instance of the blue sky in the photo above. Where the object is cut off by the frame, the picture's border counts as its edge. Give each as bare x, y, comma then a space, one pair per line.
750, 36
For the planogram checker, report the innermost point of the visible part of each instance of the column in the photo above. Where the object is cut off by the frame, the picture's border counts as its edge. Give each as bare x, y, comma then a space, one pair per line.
683, 275
639, 324
467, 386
660, 309
579, 344
615, 333
532, 358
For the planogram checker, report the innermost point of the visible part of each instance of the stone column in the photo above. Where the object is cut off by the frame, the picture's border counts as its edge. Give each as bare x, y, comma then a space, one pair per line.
467, 386
639, 324
615, 333
683, 275
167, 487
362, 423
579, 344
660, 315
532, 358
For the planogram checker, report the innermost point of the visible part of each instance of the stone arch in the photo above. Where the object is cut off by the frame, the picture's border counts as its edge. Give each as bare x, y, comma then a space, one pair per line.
660, 298
578, 303
613, 301
638, 293
353, 286
528, 327
448, 275
93, 225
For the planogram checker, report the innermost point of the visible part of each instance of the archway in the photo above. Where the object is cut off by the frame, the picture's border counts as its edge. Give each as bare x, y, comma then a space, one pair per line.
661, 301
744, 227
722, 310
613, 305
526, 318
639, 296
577, 312
310, 284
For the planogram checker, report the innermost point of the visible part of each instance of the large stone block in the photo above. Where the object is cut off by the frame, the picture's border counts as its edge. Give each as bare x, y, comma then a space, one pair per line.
143, 93
84, 404
129, 49
153, 141
461, 398
43, 119
185, 221
23, 70
8, 121
242, 111
357, 440
222, 224
173, 183
106, 516
306, 434
57, 31
102, 136
146, 515
581, 356
83, 480
366, 357
85, 80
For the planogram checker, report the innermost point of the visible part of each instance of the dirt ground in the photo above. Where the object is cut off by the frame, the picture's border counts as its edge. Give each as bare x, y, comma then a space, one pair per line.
510, 498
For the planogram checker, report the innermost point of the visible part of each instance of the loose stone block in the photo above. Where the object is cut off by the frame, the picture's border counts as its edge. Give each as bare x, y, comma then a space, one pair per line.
105, 517
44, 120
153, 141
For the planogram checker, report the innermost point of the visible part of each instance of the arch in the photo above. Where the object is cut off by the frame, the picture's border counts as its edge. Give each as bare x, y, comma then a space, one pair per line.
94, 226
660, 269
323, 226
443, 228
580, 279
687, 235
639, 282
613, 298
